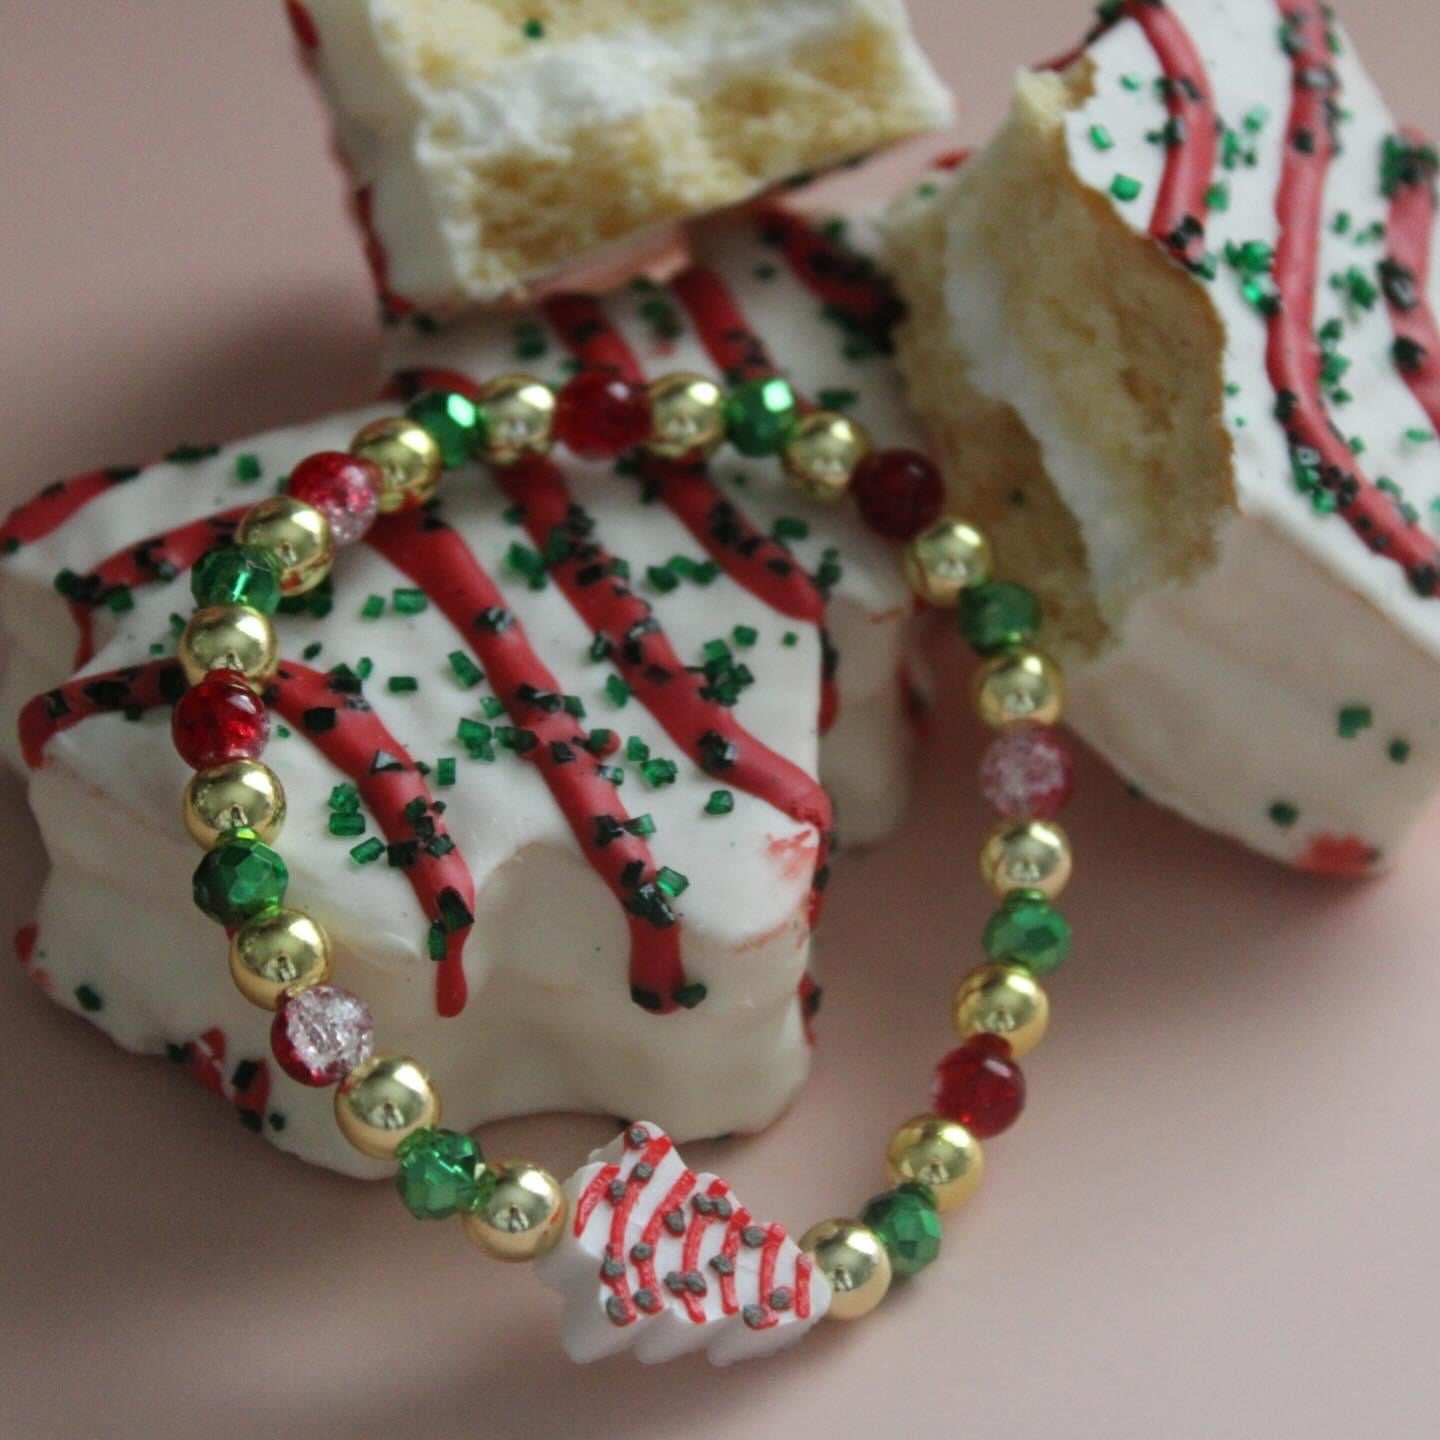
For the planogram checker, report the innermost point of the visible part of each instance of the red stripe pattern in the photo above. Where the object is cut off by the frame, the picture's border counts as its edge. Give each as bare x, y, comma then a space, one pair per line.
1405, 273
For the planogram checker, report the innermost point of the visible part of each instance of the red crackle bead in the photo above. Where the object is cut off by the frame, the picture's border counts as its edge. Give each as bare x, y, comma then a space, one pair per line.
345, 487
600, 416
1027, 773
899, 492
980, 1086
321, 1034
218, 720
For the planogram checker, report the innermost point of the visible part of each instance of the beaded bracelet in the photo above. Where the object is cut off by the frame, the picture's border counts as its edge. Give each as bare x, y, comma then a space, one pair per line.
637, 1199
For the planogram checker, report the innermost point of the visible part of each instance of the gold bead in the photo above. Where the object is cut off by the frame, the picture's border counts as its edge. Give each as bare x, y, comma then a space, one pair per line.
239, 795
1004, 1000
297, 535
822, 452
939, 1154
523, 1216
278, 951
228, 637
1026, 855
951, 556
1025, 687
408, 458
382, 1102
855, 1263
519, 418
687, 416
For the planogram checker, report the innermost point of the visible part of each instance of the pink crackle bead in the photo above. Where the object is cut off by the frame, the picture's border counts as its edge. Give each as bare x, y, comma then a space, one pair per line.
344, 487
1027, 773
321, 1034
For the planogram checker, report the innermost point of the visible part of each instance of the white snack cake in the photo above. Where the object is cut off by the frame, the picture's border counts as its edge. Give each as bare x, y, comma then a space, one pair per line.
479, 913
1173, 332
659, 1259
491, 142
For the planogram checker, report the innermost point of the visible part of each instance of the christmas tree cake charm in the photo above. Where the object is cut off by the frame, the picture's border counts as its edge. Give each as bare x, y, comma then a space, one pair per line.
661, 1260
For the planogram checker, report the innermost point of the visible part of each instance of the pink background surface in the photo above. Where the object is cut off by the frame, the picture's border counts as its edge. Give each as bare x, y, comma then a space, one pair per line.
1218, 1217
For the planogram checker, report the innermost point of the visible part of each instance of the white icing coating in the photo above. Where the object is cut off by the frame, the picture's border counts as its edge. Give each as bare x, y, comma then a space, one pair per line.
1221, 698
609, 1307
550, 1023
417, 105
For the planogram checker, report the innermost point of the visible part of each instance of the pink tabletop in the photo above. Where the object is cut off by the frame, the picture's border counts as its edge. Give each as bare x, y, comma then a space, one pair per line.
1218, 1218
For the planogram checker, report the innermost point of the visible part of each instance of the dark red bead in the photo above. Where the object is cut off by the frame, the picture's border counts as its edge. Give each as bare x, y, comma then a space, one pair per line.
899, 492
600, 416
220, 719
980, 1086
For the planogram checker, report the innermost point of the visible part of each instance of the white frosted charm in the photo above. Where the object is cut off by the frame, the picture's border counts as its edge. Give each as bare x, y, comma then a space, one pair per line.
658, 1258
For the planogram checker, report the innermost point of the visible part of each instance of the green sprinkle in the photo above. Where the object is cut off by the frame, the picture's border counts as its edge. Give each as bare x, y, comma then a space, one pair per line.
837, 398
534, 29
1352, 719
527, 563
88, 998
247, 468
744, 636
616, 690
445, 770
347, 826
599, 741
1217, 197
373, 608
344, 799
636, 750
1101, 138
409, 602
1126, 187
1341, 224
368, 851
120, 600
282, 732
641, 825
1132, 83
1254, 121
721, 802
790, 639
364, 667
659, 773
790, 527
473, 732
466, 671
1419, 436
1398, 751
672, 882
402, 685
661, 578
492, 706
435, 941
311, 650
1284, 814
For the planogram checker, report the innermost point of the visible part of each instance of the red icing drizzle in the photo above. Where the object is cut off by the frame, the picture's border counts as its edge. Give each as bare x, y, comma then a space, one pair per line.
1178, 221
351, 747
694, 1235
136, 565
205, 1059
849, 285
303, 25
357, 736
1408, 235
134, 688
1292, 353
25, 938
1340, 855
675, 1197
649, 663
736, 350
56, 503
439, 561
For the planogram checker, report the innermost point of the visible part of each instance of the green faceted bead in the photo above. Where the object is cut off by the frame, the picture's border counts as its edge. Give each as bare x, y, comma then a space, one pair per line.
907, 1222
760, 414
237, 575
455, 422
442, 1173
998, 617
1027, 930
240, 877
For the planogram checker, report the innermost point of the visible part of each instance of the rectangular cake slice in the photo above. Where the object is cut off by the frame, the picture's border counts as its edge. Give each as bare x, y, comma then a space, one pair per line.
1172, 329
493, 140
